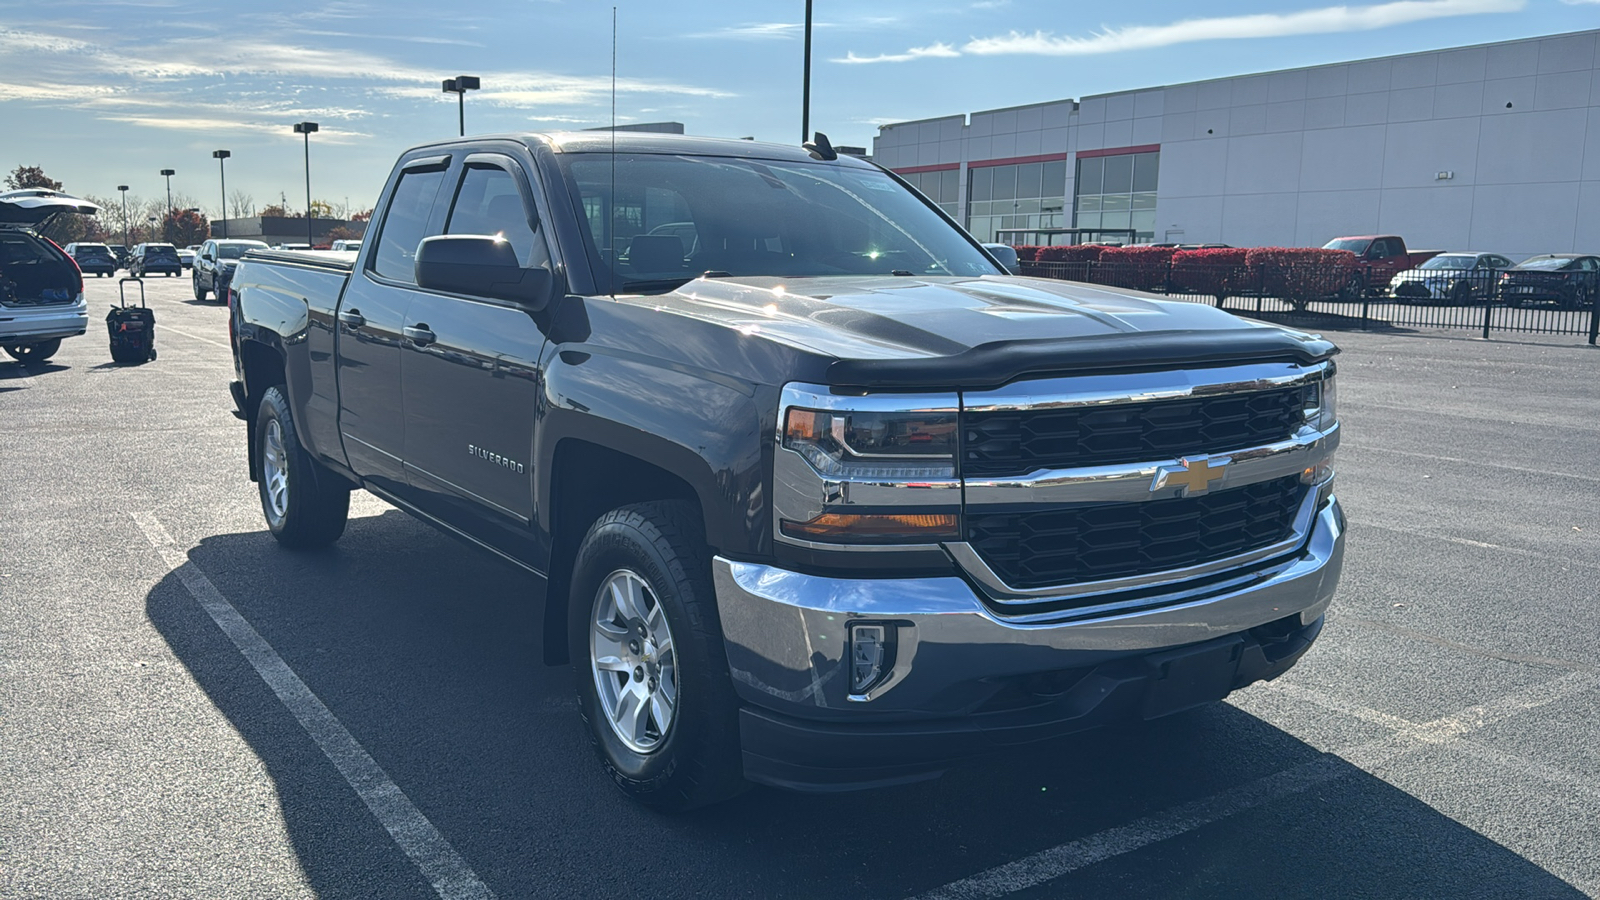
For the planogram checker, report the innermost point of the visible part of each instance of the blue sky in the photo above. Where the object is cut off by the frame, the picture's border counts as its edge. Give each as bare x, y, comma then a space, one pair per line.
111, 92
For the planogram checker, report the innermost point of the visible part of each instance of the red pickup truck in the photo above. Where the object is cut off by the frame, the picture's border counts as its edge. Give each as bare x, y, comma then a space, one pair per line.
1382, 256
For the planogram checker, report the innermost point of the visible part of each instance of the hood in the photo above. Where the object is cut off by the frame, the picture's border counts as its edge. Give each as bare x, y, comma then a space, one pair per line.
34, 206
906, 331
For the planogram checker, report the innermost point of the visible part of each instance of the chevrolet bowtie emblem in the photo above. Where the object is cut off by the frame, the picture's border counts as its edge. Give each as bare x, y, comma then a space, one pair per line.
1193, 475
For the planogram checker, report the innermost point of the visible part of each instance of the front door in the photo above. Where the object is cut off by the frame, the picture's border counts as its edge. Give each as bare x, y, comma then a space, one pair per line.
470, 373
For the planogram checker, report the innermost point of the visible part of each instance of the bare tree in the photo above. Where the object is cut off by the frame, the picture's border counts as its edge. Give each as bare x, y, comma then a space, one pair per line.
240, 203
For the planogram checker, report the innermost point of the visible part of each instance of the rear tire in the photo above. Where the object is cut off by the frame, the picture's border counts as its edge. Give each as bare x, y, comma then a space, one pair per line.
644, 636
36, 352
305, 505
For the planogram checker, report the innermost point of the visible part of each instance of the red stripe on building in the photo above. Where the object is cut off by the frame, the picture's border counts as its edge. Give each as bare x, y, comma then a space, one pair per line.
1119, 151
913, 170
1016, 160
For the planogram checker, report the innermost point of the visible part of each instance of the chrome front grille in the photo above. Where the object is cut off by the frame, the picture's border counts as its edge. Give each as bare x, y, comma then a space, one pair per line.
1102, 541
1016, 442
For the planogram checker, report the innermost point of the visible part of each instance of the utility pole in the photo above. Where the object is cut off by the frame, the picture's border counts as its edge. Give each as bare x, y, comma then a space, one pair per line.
124, 189
805, 90
307, 128
222, 171
167, 228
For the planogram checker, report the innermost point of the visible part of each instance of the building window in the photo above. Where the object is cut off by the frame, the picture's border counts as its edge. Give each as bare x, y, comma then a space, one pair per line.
1025, 195
1118, 192
942, 187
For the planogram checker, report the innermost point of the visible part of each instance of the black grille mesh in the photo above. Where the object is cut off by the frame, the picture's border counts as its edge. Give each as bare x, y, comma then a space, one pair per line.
1018, 442
1092, 542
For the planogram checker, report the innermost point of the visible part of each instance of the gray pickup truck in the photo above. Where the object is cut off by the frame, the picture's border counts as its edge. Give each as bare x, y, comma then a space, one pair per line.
822, 497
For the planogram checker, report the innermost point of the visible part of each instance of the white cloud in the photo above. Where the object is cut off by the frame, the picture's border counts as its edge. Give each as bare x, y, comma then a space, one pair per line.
1326, 20
210, 125
756, 31
941, 51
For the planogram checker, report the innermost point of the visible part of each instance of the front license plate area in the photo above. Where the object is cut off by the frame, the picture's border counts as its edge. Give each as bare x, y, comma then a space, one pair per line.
1191, 676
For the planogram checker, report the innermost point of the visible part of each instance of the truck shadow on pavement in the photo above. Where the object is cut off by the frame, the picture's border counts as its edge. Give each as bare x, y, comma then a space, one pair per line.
427, 652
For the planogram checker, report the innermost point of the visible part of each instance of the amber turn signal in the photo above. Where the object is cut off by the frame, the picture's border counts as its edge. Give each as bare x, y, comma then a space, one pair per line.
885, 528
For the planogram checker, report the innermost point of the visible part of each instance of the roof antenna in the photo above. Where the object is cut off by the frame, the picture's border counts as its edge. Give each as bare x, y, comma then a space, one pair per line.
820, 148
611, 205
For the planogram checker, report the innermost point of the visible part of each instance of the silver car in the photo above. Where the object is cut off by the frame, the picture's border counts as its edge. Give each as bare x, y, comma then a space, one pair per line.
1458, 277
41, 289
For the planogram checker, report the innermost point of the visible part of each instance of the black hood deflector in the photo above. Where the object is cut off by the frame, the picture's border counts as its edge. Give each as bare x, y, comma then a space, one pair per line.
993, 364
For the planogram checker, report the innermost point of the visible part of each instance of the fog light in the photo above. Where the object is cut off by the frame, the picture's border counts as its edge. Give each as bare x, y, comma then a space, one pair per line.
868, 657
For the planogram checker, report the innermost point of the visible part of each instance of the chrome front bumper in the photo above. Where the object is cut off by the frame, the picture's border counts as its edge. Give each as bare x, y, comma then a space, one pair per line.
787, 641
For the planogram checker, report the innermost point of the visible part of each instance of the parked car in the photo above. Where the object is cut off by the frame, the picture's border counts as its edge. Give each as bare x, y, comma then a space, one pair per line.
93, 258
186, 258
41, 287
291, 247
121, 253
1458, 277
346, 246
1380, 258
825, 501
215, 263
1006, 254
154, 257
1568, 280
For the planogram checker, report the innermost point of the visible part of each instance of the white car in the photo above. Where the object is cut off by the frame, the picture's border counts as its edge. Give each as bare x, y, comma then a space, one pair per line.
186, 257
346, 246
1457, 277
41, 289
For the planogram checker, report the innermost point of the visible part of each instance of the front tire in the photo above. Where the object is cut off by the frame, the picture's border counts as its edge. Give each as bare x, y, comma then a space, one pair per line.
305, 505
651, 670
33, 353
199, 292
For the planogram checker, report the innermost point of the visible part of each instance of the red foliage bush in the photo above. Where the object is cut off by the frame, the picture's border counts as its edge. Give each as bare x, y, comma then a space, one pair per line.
1302, 274
1139, 268
1070, 253
1027, 252
1219, 272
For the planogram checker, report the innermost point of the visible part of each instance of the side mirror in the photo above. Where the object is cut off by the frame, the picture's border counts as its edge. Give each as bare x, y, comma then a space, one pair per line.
480, 265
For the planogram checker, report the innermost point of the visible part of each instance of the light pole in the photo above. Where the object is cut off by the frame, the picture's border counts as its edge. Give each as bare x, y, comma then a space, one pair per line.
459, 86
306, 128
169, 173
124, 189
219, 156
152, 221
805, 89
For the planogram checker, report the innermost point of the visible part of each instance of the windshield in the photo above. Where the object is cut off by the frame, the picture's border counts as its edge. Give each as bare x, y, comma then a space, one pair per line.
1354, 245
1545, 263
1450, 262
676, 217
234, 251
91, 250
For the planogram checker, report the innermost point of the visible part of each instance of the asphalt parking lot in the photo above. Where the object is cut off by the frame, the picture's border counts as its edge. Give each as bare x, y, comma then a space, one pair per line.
1439, 741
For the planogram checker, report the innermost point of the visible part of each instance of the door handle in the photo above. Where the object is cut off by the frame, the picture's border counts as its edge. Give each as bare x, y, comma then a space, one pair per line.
419, 334
352, 317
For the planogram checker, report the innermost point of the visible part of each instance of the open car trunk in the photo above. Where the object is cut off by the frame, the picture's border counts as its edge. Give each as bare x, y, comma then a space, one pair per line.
33, 272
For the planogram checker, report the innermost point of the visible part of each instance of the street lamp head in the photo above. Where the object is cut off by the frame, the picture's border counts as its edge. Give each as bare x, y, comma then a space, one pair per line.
122, 187
220, 154
169, 172
305, 127
450, 86
467, 82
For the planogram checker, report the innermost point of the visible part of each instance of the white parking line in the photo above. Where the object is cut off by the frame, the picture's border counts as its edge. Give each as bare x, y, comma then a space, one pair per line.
194, 336
1047, 865
1565, 476
1468, 542
449, 874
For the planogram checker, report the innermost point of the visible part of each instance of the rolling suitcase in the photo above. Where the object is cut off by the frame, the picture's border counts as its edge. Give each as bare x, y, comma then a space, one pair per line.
132, 328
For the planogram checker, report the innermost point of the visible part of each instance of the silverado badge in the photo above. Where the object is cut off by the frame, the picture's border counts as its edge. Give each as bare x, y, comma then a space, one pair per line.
1193, 474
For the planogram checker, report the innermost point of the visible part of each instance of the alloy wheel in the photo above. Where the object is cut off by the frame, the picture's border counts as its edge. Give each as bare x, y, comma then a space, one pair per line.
633, 661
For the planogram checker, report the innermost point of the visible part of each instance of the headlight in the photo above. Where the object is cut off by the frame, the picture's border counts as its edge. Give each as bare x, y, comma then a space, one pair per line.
1321, 400
881, 477
889, 445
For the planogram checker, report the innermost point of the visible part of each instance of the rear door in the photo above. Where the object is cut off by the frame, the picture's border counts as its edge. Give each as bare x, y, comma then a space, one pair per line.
367, 327
470, 368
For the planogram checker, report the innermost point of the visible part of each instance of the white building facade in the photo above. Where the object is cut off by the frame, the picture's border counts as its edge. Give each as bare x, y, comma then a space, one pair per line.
1493, 148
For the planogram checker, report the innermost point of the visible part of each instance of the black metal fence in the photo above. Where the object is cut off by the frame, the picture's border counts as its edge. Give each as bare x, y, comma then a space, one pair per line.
1477, 300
